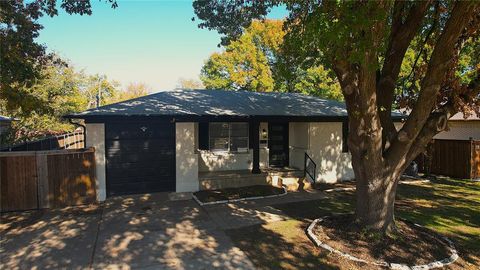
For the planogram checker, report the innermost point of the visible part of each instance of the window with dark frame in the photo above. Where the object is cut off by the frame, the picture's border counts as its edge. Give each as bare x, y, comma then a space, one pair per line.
228, 137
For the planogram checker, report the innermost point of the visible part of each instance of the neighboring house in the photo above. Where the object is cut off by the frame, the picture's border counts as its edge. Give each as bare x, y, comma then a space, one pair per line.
169, 140
5, 123
455, 152
460, 128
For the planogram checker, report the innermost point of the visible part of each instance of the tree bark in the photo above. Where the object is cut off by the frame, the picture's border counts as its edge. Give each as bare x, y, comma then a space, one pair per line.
375, 199
401, 35
378, 164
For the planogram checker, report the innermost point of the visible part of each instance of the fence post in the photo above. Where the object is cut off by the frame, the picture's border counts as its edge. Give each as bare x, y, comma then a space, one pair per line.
42, 181
474, 159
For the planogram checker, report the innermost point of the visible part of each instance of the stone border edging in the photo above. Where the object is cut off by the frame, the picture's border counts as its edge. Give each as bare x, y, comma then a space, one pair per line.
414, 180
418, 181
439, 263
241, 199
339, 189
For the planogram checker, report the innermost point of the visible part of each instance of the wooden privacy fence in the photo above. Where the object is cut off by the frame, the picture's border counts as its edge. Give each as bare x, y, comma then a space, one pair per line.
455, 158
73, 140
46, 179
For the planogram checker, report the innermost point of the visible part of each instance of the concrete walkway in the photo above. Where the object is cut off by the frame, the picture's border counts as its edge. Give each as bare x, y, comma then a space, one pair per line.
134, 232
247, 213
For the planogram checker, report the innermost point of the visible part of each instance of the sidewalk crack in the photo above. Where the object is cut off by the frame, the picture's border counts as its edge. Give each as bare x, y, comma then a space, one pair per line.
96, 237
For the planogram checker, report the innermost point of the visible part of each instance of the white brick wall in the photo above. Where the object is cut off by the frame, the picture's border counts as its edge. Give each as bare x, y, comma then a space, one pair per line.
323, 143
95, 136
186, 158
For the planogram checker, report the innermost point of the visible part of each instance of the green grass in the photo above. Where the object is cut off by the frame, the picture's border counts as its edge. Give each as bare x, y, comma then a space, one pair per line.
448, 206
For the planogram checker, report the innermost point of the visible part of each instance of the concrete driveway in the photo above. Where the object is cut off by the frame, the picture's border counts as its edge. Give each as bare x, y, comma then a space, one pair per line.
133, 232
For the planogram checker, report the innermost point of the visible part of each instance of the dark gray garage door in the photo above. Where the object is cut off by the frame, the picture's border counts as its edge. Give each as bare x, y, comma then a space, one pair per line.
140, 157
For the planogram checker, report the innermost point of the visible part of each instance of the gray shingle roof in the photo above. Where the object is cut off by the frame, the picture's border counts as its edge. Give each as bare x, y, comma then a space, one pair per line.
220, 103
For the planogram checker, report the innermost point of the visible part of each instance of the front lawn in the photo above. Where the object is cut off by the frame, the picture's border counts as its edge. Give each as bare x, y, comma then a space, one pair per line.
450, 207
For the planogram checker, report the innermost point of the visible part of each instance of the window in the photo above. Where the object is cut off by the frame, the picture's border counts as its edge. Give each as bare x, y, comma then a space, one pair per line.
219, 136
232, 137
239, 137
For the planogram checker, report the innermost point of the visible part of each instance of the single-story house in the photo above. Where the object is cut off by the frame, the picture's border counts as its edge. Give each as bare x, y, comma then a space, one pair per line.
185, 140
461, 128
454, 152
5, 123
5, 126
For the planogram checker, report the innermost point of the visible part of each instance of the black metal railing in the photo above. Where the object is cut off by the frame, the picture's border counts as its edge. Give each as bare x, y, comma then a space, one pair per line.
309, 168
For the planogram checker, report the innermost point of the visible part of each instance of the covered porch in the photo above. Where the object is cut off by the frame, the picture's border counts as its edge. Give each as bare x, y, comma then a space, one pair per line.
231, 153
262, 158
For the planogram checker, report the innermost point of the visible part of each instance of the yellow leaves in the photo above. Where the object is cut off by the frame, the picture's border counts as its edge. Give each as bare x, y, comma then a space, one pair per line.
245, 62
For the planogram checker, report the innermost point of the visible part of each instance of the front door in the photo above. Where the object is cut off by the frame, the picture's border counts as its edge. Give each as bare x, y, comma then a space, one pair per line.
278, 144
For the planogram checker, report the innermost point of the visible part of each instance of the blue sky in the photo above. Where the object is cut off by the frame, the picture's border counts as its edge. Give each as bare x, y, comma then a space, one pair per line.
154, 42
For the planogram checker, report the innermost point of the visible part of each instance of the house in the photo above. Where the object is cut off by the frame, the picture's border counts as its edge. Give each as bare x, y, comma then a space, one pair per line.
186, 140
454, 152
461, 128
5, 123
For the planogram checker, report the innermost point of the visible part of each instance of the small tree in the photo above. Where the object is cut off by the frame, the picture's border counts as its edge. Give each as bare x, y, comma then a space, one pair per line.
184, 83
22, 59
365, 43
60, 90
259, 61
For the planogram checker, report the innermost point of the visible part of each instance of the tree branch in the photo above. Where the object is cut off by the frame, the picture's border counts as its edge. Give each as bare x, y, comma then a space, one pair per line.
422, 45
435, 124
400, 38
401, 35
437, 121
431, 83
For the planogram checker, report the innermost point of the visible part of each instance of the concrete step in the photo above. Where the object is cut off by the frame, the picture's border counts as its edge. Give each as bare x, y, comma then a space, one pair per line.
294, 183
219, 183
288, 173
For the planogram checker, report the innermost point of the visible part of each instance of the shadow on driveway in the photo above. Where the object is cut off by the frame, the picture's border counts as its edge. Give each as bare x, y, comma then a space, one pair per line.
141, 232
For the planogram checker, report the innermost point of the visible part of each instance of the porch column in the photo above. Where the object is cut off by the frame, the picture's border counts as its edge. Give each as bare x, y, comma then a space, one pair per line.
254, 132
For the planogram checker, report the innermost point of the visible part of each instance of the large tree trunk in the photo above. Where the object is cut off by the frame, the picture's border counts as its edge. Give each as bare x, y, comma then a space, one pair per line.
375, 195
375, 206
380, 154
376, 180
